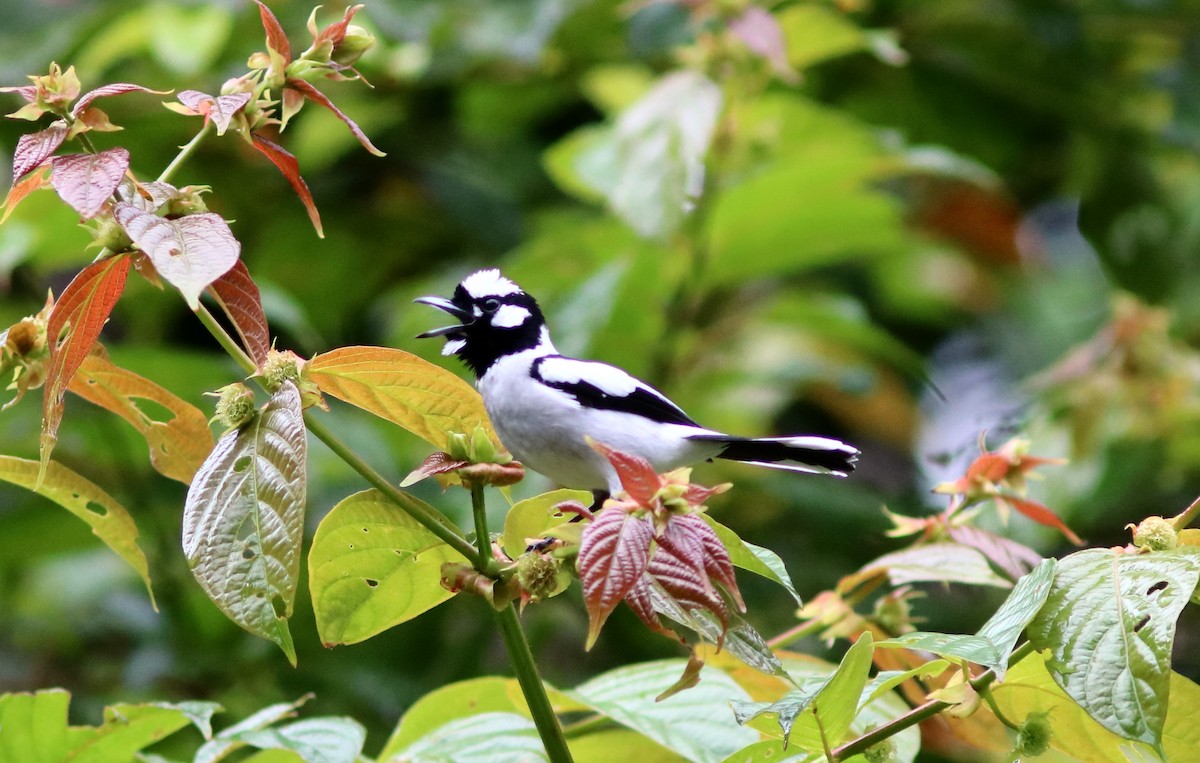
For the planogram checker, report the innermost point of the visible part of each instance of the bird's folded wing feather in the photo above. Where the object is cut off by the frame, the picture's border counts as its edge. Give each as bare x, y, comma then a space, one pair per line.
605, 387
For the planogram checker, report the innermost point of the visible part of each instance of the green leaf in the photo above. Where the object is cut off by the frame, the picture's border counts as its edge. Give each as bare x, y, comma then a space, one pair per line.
617, 745
975, 649
1027, 598
217, 749
694, 723
494, 737
822, 710
938, 563
771, 751
752, 558
373, 566
33, 727
109, 520
886, 680
1109, 623
1030, 688
243, 521
315, 740
533, 516
490, 694
649, 165
815, 33
128, 729
399, 387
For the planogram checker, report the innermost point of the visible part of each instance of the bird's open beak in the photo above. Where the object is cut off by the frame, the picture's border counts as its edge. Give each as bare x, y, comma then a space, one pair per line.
442, 303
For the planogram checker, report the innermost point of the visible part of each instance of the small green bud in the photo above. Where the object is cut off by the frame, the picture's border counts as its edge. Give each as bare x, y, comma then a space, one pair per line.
280, 367
1155, 534
235, 406
482, 449
1033, 736
882, 752
356, 42
458, 447
538, 574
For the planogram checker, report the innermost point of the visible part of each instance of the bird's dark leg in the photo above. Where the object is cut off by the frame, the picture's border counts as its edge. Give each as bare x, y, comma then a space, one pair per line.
598, 499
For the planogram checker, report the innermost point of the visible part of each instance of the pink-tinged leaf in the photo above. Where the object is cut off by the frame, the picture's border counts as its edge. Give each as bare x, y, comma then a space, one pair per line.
435, 463
761, 33
336, 32
1042, 515
717, 562
87, 181
679, 579
613, 553
637, 476
238, 296
28, 92
189, 252
640, 601
683, 540
316, 96
72, 331
117, 88
149, 196
1013, 558
35, 148
179, 442
22, 188
220, 109
277, 40
287, 164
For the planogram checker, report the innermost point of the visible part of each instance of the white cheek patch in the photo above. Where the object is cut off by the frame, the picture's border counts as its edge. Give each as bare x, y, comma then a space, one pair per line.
510, 316
453, 346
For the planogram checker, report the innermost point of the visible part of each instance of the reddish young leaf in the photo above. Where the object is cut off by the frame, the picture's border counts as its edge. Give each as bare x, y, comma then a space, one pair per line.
640, 601
717, 562
86, 181
117, 88
277, 40
72, 331
682, 540
179, 442
220, 109
679, 579
189, 252
1012, 557
636, 474
35, 148
316, 96
434, 463
22, 188
1040, 514
238, 296
613, 553
336, 32
287, 164
760, 31
991, 467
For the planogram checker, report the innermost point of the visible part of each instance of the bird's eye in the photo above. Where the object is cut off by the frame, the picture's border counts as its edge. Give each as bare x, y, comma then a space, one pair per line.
491, 305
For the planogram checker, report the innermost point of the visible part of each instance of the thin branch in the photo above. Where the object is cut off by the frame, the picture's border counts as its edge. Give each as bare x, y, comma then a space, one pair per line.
1187, 516
483, 541
185, 152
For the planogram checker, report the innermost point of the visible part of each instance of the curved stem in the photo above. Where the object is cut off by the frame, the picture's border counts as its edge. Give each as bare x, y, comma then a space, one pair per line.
1184, 519
521, 656
185, 152
921, 712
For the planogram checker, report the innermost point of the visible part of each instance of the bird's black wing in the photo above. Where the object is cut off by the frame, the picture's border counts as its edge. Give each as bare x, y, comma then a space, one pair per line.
605, 387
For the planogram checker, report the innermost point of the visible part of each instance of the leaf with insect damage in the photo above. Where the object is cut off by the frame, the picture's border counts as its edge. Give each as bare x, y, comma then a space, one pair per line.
72, 331
87, 181
412, 393
179, 442
1109, 623
238, 296
373, 566
243, 521
613, 554
287, 164
109, 520
190, 252
35, 148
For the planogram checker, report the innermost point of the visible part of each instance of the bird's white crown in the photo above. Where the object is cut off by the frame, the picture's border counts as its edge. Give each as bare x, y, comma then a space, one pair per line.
489, 283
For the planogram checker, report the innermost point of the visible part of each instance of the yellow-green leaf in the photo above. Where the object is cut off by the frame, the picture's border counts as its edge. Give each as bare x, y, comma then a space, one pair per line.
412, 393
178, 444
532, 517
109, 520
373, 566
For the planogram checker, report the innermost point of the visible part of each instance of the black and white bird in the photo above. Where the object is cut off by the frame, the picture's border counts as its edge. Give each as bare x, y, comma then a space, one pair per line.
543, 404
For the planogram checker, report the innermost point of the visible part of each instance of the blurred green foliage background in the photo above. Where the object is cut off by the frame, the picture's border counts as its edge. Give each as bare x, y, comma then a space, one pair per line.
1002, 198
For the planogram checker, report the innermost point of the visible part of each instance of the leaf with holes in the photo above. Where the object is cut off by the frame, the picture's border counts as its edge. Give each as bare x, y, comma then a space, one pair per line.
243, 520
109, 520
238, 296
179, 442
190, 252
87, 181
752, 558
35, 148
1109, 623
613, 554
287, 164
72, 331
220, 109
373, 566
319, 98
397, 386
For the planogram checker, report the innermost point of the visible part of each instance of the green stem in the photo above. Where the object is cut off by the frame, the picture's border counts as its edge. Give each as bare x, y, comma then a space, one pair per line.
521, 657
185, 153
222, 336
921, 712
796, 633
483, 540
1184, 519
